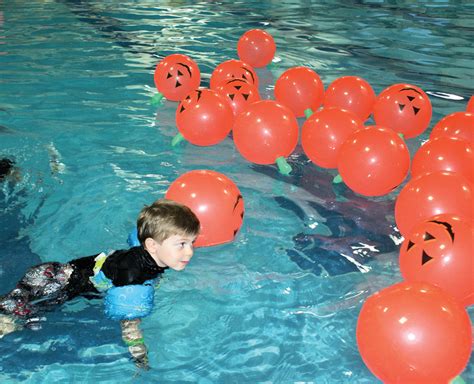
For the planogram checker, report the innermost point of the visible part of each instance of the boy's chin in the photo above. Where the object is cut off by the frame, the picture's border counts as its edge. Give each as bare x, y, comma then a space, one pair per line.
178, 267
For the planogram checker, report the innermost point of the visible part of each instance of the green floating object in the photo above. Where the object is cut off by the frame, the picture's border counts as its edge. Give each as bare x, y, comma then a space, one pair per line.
283, 166
337, 179
401, 135
177, 139
457, 380
156, 99
308, 112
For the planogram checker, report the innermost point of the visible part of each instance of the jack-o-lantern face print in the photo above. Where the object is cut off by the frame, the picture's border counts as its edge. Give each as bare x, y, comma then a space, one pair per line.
404, 108
439, 251
204, 117
238, 214
233, 69
177, 75
239, 93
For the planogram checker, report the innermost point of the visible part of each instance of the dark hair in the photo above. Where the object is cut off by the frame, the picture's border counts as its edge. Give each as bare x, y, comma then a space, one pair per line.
6, 166
165, 218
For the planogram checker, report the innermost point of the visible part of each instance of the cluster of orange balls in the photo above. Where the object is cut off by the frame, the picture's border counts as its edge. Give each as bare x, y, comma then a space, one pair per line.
417, 331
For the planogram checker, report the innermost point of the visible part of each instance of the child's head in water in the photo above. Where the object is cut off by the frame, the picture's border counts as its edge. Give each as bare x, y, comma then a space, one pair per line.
6, 167
167, 230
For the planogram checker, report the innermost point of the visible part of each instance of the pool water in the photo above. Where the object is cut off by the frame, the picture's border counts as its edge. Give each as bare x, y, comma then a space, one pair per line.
280, 303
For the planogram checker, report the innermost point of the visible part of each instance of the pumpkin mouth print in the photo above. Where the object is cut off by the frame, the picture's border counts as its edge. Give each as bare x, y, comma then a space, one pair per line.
404, 108
233, 69
439, 251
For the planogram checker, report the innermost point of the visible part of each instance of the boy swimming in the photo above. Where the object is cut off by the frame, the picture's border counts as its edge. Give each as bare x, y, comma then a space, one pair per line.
166, 231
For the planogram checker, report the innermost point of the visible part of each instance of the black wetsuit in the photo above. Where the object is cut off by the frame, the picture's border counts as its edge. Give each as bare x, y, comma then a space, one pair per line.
54, 283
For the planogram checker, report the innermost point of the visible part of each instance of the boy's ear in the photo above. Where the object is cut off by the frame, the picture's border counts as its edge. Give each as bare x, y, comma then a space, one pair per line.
150, 244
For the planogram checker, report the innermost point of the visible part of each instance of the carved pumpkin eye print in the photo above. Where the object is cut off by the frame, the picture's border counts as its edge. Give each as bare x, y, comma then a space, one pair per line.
409, 100
247, 75
237, 88
189, 101
179, 74
432, 243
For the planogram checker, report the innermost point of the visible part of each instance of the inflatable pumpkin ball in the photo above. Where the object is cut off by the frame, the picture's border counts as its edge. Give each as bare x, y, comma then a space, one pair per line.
215, 200
440, 251
176, 75
351, 93
414, 332
233, 69
405, 108
204, 117
300, 89
432, 194
256, 47
458, 124
373, 161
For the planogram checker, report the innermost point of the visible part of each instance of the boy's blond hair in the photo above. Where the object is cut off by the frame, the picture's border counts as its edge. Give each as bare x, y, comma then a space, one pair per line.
165, 218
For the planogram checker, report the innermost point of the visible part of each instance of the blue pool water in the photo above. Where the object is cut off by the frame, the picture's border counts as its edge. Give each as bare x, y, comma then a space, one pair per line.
280, 303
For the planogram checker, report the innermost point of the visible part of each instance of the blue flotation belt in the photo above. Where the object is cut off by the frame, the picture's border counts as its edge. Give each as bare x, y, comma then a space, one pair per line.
127, 302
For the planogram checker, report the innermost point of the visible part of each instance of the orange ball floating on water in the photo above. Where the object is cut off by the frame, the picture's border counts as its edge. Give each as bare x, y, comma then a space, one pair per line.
405, 108
440, 251
324, 132
432, 194
176, 75
233, 69
444, 154
300, 89
351, 93
266, 132
256, 47
215, 199
414, 332
457, 124
373, 161
204, 117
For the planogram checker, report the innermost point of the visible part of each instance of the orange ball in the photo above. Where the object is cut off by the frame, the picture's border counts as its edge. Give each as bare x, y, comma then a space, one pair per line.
432, 194
415, 333
457, 124
373, 161
204, 117
299, 88
324, 132
405, 108
265, 131
256, 47
176, 75
444, 154
215, 200
351, 93
439, 251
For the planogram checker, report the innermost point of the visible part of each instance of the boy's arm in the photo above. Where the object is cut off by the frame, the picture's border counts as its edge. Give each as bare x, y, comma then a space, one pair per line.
133, 337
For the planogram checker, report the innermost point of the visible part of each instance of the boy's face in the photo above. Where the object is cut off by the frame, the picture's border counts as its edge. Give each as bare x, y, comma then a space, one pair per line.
174, 252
